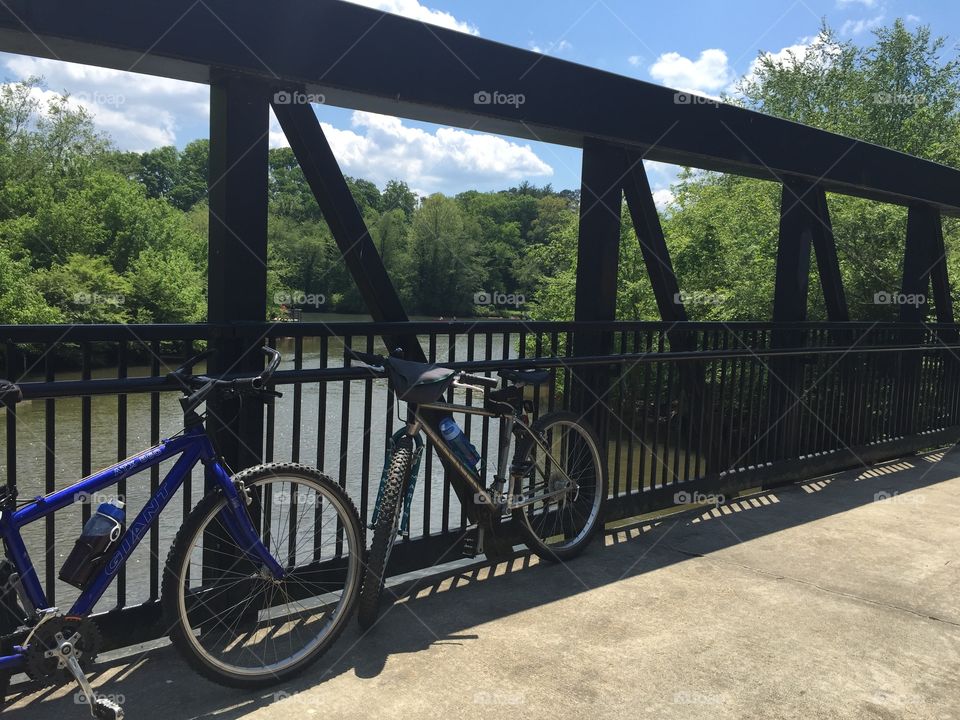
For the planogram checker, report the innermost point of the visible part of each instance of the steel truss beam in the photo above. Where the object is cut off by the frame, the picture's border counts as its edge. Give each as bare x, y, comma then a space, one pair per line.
805, 223
319, 165
361, 58
925, 265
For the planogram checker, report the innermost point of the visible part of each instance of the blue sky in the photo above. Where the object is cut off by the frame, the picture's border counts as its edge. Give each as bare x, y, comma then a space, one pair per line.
698, 45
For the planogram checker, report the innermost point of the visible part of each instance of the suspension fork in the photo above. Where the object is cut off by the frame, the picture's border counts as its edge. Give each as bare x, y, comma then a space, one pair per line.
412, 430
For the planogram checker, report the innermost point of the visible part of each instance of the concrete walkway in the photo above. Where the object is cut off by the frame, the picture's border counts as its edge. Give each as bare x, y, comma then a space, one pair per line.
814, 601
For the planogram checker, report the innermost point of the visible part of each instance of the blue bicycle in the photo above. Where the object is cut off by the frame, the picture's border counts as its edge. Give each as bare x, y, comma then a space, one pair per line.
260, 580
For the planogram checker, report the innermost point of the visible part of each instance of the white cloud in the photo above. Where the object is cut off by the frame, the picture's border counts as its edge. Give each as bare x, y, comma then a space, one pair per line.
787, 55
554, 48
635, 60
413, 9
707, 74
856, 27
865, 3
662, 198
381, 148
138, 112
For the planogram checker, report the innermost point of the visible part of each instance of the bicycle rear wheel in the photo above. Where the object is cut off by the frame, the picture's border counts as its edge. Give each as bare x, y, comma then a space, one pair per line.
564, 488
232, 621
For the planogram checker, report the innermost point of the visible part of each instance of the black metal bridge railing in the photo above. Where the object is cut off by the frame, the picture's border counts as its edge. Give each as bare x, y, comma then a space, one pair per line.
686, 412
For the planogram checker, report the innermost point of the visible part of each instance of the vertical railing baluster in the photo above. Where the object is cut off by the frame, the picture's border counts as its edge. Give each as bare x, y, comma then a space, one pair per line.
13, 373
86, 426
616, 480
344, 433
648, 369
432, 357
50, 474
667, 473
367, 424
630, 419
321, 443
121, 454
155, 473
467, 427
451, 357
187, 352
297, 400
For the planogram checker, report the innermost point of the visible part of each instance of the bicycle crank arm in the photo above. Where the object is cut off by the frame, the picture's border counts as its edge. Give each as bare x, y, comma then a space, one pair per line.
100, 708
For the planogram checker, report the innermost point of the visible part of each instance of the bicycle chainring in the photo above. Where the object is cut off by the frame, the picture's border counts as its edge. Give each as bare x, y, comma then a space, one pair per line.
82, 633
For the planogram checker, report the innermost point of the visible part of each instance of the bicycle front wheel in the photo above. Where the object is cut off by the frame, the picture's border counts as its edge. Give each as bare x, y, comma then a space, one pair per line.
561, 495
385, 532
230, 618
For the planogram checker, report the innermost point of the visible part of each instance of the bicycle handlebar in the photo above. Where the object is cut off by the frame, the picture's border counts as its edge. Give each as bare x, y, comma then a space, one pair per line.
202, 385
368, 358
481, 380
379, 361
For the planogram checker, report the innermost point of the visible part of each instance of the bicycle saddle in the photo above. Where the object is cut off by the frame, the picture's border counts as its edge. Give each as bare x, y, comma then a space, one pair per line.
418, 382
10, 393
527, 377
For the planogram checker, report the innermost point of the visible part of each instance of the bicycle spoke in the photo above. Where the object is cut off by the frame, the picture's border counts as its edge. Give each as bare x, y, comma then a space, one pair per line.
251, 622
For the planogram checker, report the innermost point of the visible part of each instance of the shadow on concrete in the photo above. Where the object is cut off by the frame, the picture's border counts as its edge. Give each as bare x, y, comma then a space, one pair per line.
453, 606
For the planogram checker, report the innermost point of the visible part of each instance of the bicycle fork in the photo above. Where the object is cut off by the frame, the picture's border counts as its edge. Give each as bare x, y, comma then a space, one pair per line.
237, 521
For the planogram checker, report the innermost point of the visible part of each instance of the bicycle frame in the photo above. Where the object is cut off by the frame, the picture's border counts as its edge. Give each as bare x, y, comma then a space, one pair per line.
192, 446
469, 475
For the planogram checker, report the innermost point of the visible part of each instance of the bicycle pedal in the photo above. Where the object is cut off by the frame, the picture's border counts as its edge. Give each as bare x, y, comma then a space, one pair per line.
105, 709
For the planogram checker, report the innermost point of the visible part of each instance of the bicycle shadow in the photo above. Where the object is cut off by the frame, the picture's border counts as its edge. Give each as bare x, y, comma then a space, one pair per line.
454, 607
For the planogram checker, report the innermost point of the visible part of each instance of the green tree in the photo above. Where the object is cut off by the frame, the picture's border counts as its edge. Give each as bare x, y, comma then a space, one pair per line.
444, 266
21, 302
192, 175
155, 299
86, 290
159, 171
398, 196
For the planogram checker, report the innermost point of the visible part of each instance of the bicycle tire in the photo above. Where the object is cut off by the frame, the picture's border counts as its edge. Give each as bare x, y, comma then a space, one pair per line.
384, 533
177, 568
525, 447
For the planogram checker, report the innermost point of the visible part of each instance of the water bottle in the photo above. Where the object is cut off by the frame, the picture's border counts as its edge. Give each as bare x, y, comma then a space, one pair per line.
459, 443
100, 536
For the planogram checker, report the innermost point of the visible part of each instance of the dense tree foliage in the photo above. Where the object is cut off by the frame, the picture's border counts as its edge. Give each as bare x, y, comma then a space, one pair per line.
92, 234
722, 230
